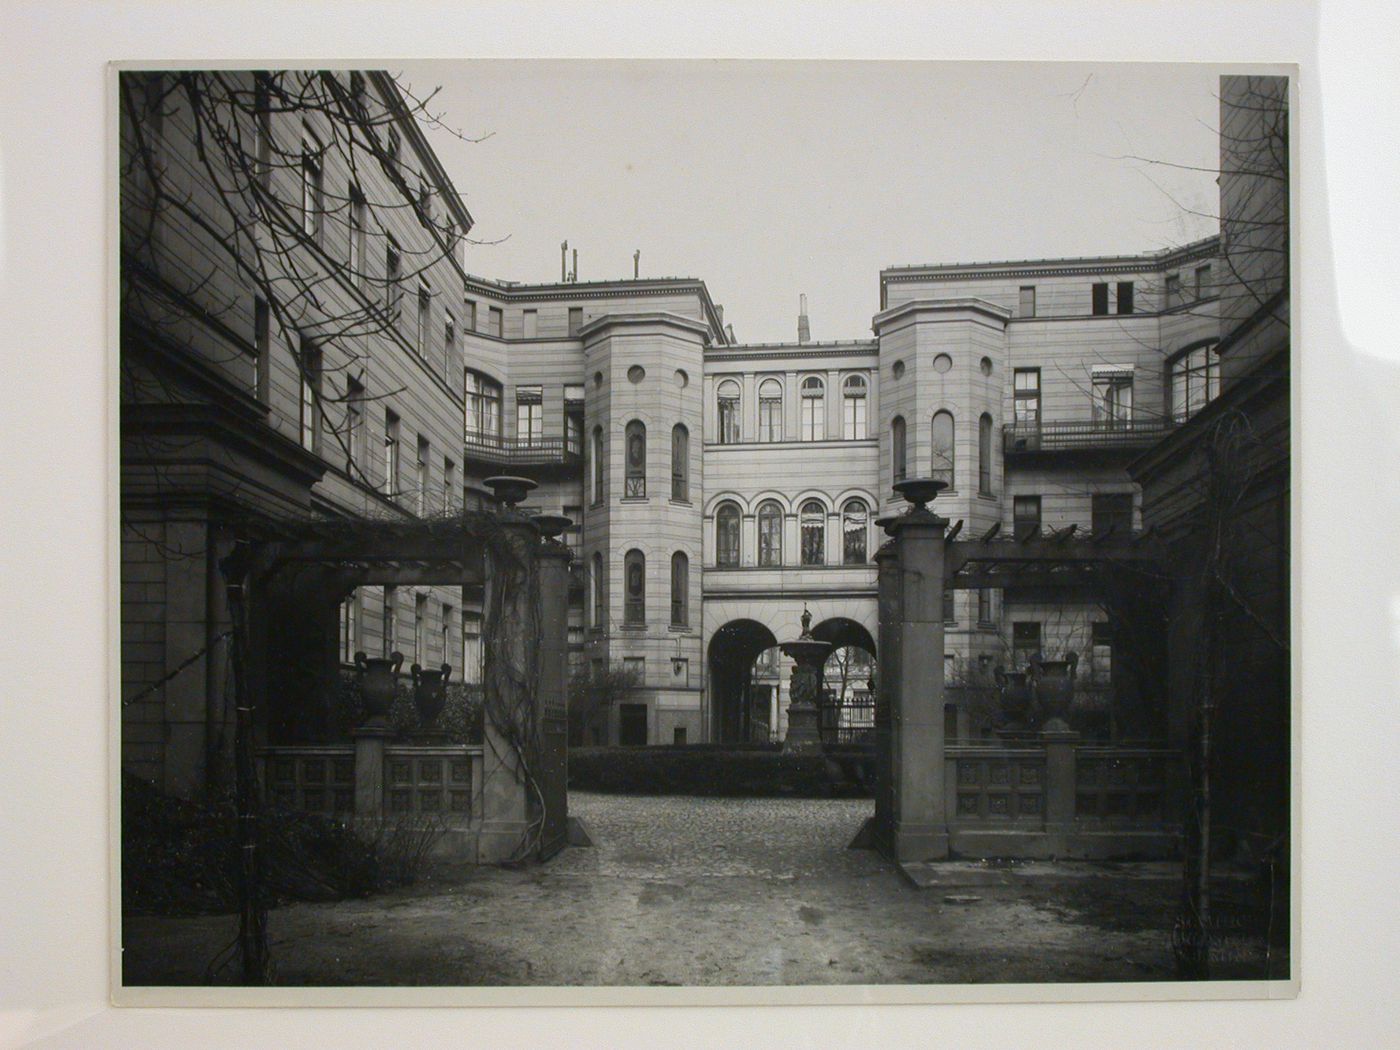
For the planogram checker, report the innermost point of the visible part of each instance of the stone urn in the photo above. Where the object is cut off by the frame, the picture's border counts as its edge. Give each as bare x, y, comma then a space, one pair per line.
429, 693
1017, 697
378, 678
1054, 686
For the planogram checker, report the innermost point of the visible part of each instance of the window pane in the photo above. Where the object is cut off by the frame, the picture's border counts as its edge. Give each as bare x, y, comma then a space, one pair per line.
770, 534
727, 535
853, 533
813, 534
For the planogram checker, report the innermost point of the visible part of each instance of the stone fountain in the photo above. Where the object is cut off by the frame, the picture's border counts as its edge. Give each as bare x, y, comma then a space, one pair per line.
808, 655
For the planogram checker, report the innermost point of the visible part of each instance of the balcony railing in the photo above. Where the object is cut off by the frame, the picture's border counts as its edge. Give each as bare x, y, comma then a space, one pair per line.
1083, 434
520, 452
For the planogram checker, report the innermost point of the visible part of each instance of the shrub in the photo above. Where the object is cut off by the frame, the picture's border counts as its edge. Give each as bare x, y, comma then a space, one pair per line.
181, 857
761, 770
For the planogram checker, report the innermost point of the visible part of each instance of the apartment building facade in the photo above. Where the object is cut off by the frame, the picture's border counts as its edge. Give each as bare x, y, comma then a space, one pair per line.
717, 488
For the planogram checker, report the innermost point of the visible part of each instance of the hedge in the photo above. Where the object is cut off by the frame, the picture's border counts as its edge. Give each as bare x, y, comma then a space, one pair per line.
762, 771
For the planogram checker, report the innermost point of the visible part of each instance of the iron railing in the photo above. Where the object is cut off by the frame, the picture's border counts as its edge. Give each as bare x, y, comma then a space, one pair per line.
520, 452
852, 722
1083, 434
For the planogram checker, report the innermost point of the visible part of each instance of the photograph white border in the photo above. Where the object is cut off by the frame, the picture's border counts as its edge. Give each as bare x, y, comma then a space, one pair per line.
51, 950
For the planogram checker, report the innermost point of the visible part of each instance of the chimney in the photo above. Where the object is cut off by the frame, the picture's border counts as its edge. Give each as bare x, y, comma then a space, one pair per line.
564, 262
574, 276
636, 264
804, 330
729, 332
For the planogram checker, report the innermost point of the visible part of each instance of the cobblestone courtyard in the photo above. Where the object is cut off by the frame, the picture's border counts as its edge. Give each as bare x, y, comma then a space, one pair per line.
695, 891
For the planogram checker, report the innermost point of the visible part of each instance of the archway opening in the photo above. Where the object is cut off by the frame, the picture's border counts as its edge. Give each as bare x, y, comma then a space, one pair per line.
848, 698
739, 709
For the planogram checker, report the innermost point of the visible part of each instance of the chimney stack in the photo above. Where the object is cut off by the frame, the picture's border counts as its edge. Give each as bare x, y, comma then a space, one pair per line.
804, 330
564, 262
573, 277
636, 264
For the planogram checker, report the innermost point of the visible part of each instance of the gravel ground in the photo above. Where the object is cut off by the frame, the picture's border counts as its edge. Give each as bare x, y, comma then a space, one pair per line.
695, 891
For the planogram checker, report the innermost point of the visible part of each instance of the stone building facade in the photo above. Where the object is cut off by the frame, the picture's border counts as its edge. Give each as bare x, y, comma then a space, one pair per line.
717, 487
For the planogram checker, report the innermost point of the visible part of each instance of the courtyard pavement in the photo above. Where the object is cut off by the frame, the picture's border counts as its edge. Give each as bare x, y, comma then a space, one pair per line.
697, 891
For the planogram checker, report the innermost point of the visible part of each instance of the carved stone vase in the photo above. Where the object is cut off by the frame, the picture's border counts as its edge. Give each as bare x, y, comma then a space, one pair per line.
1054, 686
378, 677
429, 693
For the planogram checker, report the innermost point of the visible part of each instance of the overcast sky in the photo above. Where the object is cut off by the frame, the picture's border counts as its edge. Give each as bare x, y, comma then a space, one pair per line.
768, 179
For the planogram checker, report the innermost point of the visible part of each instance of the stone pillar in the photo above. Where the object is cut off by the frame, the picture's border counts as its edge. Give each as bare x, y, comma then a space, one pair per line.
370, 741
1060, 744
886, 692
552, 699
505, 815
920, 826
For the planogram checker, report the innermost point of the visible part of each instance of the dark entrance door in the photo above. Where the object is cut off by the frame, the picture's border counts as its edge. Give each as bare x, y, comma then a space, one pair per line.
632, 725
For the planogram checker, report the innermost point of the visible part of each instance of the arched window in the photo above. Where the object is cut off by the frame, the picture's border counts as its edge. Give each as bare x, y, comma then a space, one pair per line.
680, 462
897, 449
854, 518
941, 465
680, 589
813, 409
729, 397
770, 410
770, 533
600, 598
727, 535
597, 464
853, 392
813, 526
634, 575
984, 455
636, 477
1195, 381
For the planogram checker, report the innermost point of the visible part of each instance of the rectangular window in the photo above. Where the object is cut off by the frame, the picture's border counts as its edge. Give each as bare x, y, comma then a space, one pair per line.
529, 414
1125, 297
635, 667
449, 344
573, 431
262, 345
390, 624
393, 271
354, 426
853, 410
950, 607
420, 628
262, 128
575, 320
1100, 299
984, 605
1026, 305
1173, 290
1113, 395
310, 367
1026, 516
1112, 510
530, 324
469, 314
391, 454
483, 408
1101, 654
350, 627
1025, 643
422, 335
729, 419
422, 476
493, 322
1203, 281
1026, 395
355, 255
312, 185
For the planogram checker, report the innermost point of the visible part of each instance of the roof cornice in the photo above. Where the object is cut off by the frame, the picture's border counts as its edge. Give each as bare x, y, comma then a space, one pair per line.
1067, 267
658, 317
961, 304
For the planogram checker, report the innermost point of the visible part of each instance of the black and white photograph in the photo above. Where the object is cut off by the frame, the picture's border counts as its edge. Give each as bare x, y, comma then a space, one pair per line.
678, 524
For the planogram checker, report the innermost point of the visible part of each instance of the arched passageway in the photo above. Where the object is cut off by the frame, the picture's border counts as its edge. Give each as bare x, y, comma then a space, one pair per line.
738, 713
848, 707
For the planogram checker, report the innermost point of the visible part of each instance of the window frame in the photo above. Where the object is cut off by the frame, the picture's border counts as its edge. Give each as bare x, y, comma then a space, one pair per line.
680, 589
848, 518
769, 554
855, 411
680, 463
634, 466
899, 449
948, 472
634, 588
729, 555
770, 410
730, 412
1021, 524
1029, 397
812, 409
985, 427
811, 523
